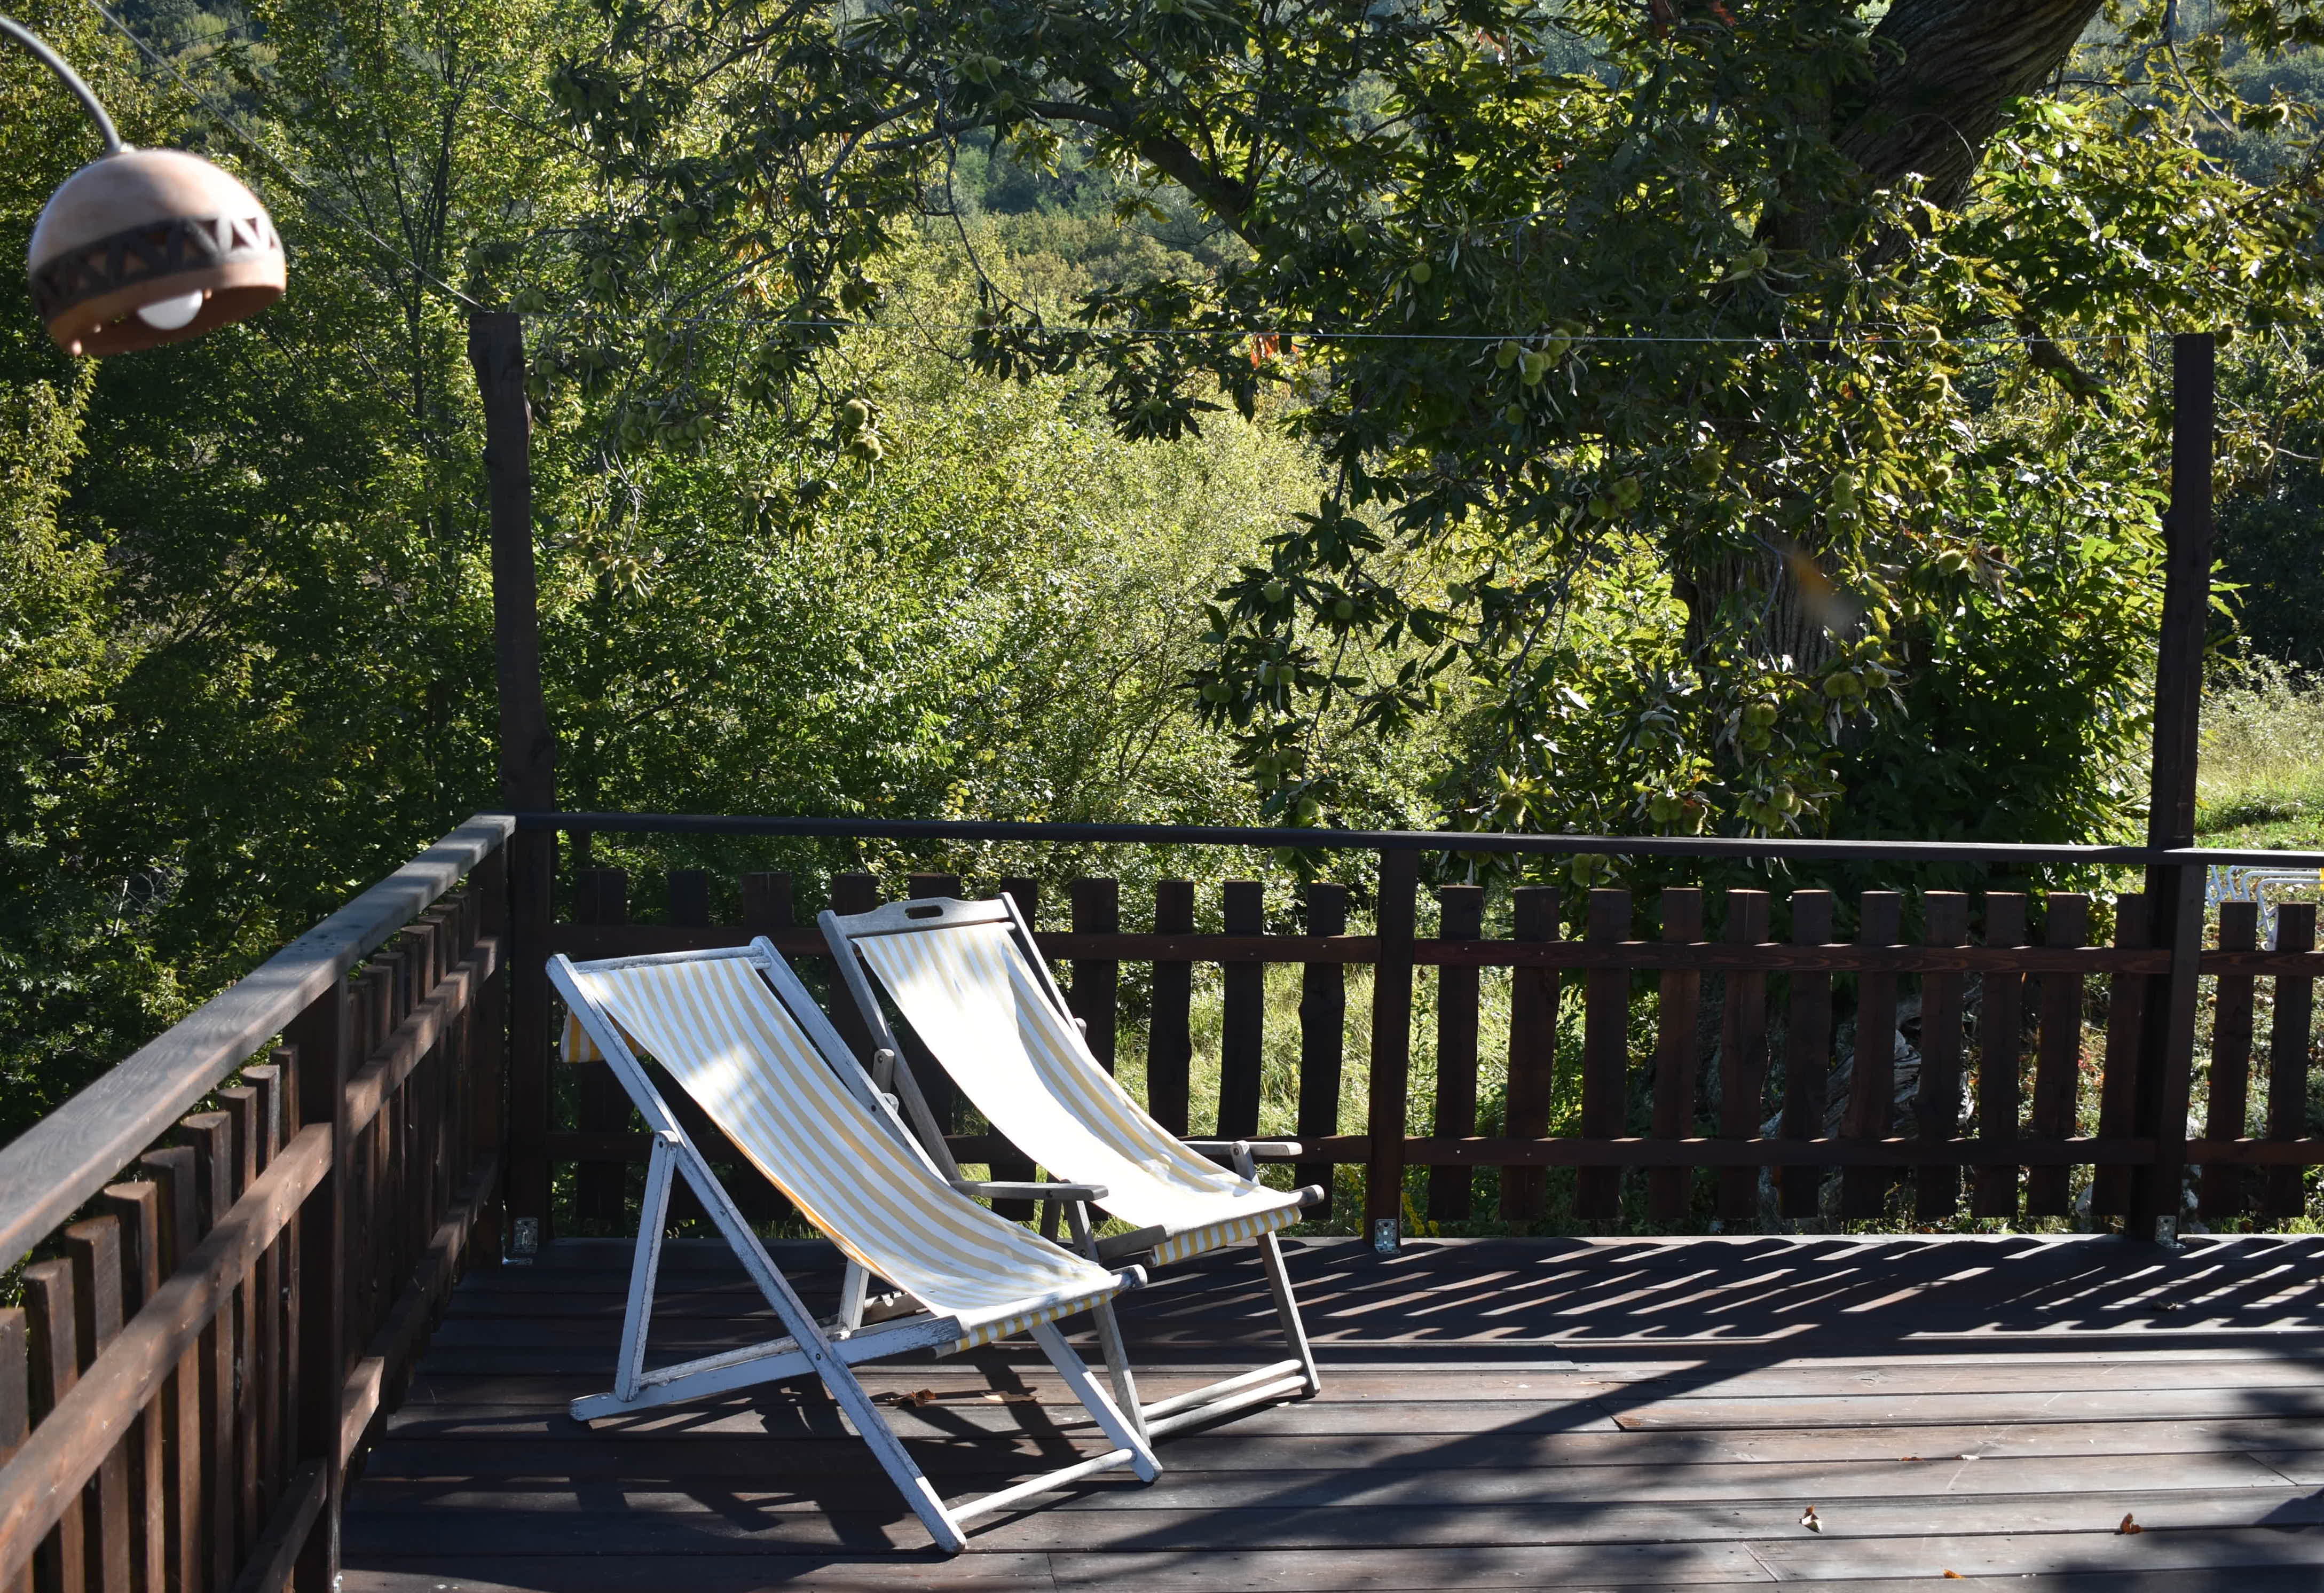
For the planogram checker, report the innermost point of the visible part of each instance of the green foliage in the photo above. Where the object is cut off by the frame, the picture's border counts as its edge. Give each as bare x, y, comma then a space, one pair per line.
1678, 450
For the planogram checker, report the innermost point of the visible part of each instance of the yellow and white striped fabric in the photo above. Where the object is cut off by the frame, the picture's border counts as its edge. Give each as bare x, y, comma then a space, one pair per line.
719, 1031
971, 995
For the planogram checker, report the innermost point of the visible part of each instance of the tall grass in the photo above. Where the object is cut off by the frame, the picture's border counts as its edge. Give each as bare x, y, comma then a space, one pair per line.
2263, 749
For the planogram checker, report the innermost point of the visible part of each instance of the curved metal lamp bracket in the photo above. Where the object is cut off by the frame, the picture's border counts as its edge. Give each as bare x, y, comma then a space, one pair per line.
81, 91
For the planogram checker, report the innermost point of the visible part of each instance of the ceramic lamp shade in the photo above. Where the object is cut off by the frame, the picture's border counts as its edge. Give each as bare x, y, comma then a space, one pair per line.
144, 227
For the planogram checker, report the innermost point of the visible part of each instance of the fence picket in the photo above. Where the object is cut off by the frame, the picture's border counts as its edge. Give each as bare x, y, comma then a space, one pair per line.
1242, 1017
176, 1195
1872, 1078
1807, 1052
2000, 1046
1461, 916
1605, 1055
1003, 1167
1169, 1037
15, 1412
1742, 1053
2119, 1088
1677, 1043
1095, 994
2288, 1055
1323, 1033
61, 1565
1936, 1107
600, 896
136, 1211
1533, 1048
2058, 1060
210, 1135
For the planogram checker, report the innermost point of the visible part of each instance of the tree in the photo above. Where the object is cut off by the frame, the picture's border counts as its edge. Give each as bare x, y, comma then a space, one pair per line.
1743, 300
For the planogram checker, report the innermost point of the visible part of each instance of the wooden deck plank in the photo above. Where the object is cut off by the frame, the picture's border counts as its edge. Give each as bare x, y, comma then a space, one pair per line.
484, 1445
1574, 1415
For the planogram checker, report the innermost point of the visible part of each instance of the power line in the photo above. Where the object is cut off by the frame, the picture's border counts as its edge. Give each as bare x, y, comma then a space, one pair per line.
306, 191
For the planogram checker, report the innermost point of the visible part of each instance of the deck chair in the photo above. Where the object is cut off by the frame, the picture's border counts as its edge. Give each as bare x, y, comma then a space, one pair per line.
742, 1036
968, 979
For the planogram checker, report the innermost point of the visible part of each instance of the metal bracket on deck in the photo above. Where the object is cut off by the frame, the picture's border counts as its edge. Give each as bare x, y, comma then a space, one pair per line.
1384, 1236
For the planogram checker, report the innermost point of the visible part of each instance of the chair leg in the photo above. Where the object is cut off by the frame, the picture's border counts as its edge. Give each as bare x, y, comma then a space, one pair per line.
1109, 1326
1117, 1426
1287, 1310
837, 1377
653, 1217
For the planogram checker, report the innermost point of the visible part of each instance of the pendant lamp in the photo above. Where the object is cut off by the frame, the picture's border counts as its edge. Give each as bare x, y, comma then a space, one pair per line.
145, 246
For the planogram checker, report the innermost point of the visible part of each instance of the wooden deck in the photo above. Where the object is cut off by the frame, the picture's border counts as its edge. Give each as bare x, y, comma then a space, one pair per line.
1497, 1414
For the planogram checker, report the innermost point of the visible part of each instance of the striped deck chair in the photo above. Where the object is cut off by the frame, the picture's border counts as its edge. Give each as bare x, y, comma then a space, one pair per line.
742, 1036
967, 978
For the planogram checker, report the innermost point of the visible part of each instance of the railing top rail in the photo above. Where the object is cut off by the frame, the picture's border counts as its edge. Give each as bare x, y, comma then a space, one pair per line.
49, 1169
1400, 840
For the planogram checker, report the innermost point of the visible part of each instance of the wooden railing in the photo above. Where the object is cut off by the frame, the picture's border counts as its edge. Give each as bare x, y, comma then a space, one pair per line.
2026, 1053
234, 1242
220, 1305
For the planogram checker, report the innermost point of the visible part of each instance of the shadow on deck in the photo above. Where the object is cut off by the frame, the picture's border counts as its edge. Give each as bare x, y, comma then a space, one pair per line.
1497, 1414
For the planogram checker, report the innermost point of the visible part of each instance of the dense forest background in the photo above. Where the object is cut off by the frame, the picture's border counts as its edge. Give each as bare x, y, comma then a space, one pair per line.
917, 567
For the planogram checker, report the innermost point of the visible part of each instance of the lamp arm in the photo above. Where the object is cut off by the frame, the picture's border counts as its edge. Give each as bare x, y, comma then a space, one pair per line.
72, 79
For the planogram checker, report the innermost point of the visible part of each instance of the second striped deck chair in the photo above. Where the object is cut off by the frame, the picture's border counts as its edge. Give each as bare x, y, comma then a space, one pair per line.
969, 980
739, 1032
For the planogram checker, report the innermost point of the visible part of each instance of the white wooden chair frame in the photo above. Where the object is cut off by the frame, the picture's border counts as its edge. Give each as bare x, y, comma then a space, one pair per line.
828, 1347
1294, 1377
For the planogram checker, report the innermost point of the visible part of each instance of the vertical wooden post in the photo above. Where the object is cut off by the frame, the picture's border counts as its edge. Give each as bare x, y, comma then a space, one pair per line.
1242, 1014
1323, 1033
488, 1056
2174, 892
322, 1037
528, 753
1391, 1060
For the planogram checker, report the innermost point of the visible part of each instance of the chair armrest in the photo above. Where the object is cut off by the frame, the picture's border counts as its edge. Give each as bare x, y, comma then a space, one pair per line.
1283, 1148
1137, 1242
1030, 1191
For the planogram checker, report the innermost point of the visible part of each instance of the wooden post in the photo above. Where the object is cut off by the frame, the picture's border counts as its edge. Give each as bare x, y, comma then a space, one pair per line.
2174, 893
1391, 1060
528, 753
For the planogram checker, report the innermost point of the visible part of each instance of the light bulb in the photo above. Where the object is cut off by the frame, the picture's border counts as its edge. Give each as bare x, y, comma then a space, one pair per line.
167, 315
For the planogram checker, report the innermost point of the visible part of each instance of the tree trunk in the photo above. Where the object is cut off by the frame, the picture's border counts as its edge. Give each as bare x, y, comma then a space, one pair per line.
1945, 71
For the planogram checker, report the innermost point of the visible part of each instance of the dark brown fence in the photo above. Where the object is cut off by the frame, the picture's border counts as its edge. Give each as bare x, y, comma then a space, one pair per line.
221, 1304
2025, 1051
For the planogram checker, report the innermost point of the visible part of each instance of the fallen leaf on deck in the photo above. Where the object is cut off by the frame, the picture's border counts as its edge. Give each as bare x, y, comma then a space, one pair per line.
1954, 1575
929, 1396
1908, 1457
1807, 1520
2129, 1525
